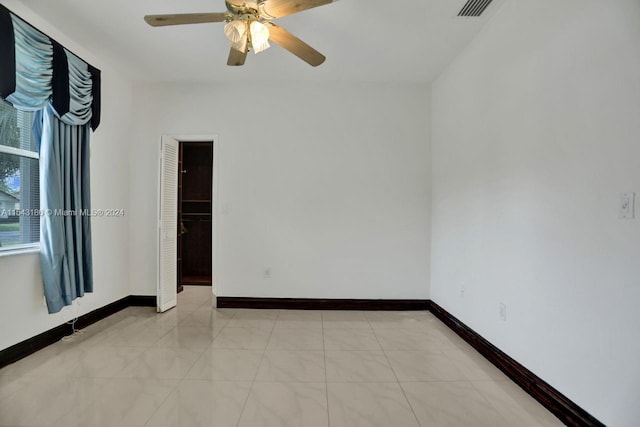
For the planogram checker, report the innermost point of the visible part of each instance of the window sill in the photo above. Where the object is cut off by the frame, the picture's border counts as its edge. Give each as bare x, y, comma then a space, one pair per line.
20, 251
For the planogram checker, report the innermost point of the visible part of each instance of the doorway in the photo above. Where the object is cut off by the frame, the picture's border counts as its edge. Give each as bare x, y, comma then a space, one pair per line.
195, 214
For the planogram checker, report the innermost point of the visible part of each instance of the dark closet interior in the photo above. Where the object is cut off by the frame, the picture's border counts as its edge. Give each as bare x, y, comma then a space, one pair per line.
195, 213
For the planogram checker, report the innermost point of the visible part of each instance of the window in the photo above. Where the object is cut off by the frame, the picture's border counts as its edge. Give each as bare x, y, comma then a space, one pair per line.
19, 180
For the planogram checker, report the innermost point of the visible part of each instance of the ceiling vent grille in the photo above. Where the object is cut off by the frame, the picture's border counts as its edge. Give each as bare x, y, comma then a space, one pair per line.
474, 7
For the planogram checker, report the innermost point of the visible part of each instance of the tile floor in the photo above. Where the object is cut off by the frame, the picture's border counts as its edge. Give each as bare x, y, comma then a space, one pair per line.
195, 366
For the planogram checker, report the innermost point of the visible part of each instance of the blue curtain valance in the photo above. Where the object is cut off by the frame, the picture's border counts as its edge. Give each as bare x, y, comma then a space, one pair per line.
36, 70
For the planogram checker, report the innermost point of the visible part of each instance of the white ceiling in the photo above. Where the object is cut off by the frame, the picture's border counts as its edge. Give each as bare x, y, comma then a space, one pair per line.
363, 40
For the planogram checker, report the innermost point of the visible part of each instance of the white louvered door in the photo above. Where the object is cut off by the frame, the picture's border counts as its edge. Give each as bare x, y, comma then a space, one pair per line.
168, 225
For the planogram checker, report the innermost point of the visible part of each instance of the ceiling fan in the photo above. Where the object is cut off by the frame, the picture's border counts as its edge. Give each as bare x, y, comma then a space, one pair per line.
249, 26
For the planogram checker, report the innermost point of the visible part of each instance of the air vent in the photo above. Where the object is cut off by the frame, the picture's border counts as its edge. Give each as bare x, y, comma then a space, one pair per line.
474, 7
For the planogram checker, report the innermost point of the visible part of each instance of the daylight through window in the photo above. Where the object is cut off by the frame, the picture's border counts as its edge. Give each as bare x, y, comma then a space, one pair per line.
19, 180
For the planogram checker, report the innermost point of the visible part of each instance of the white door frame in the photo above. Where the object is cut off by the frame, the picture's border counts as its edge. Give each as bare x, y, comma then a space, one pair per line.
215, 211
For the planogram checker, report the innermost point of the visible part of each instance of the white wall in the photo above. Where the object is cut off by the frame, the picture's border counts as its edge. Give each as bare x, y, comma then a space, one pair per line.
22, 312
536, 130
327, 185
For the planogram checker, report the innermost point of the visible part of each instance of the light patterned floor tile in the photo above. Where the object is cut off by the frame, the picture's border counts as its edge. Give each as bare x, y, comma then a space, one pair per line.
369, 405
299, 319
187, 337
242, 338
120, 403
226, 364
358, 366
407, 339
451, 404
292, 365
516, 406
423, 366
473, 366
286, 405
42, 400
344, 319
296, 339
350, 339
202, 404
161, 363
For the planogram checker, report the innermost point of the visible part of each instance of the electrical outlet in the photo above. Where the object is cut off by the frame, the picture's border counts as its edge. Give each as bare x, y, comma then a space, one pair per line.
267, 273
502, 311
627, 205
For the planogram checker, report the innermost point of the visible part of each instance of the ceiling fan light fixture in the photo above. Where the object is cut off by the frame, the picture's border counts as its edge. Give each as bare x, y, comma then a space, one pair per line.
236, 32
249, 27
259, 37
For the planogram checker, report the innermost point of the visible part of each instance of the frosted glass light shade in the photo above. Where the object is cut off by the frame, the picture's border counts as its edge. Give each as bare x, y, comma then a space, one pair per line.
236, 32
259, 37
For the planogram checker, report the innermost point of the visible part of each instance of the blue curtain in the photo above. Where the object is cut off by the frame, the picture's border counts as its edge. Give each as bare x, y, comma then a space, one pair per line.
38, 74
65, 229
36, 70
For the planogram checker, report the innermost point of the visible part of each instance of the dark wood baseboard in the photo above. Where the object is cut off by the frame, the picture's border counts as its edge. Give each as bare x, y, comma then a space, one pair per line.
322, 304
142, 301
557, 403
98, 314
25, 348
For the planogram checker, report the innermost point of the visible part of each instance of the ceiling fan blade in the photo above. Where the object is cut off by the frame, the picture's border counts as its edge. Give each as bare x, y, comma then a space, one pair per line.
294, 45
184, 18
236, 57
280, 8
